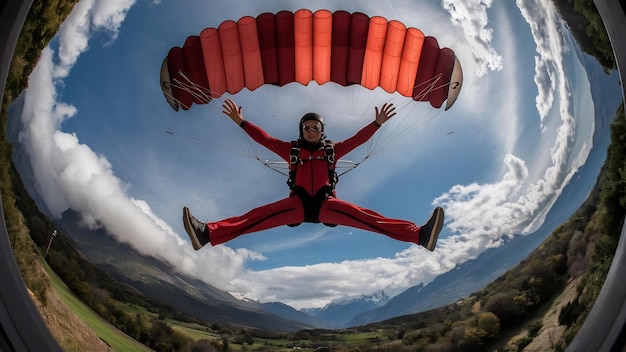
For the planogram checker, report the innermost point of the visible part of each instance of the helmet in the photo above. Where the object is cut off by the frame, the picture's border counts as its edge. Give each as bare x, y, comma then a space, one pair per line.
311, 116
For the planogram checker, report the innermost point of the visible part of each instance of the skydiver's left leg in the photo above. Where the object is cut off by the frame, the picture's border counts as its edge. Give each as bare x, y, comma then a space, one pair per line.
340, 212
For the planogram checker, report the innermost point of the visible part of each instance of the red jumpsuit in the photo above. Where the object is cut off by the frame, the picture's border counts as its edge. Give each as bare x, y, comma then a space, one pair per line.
311, 177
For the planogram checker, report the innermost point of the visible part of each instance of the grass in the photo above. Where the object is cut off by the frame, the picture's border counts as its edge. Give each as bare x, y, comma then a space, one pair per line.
107, 332
194, 331
362, 338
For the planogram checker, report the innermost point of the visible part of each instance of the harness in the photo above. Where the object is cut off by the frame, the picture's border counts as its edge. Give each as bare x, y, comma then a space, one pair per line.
329, 155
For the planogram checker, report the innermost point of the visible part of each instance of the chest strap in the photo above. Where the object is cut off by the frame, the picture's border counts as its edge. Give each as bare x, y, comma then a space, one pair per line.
329, 155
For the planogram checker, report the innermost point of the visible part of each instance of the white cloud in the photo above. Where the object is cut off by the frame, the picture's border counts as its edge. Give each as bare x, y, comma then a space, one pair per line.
545, 26
517, 204
471, 15
317, 285
70, 175
87, 16
486, 212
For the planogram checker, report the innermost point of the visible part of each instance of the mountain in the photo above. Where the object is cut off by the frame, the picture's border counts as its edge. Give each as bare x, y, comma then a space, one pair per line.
194, 297
472, 275
338, 314
457, 283
156, 279
475, 274
288, 312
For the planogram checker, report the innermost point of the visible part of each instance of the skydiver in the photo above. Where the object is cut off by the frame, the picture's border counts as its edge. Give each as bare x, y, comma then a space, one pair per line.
312, 182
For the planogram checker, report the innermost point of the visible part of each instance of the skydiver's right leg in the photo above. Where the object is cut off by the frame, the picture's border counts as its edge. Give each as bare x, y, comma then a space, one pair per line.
283, 212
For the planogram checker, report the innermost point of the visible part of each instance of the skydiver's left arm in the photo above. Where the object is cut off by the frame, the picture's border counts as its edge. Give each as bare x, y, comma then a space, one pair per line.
344, 147
386, 112
231, 110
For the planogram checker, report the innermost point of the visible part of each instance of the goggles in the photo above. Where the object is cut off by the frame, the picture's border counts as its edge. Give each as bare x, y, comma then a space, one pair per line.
316, 127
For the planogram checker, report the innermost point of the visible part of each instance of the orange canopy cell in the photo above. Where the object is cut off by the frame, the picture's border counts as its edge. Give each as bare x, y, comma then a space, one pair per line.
322, 40
410, 59
392, 55
372, 62
250, 52
213, 61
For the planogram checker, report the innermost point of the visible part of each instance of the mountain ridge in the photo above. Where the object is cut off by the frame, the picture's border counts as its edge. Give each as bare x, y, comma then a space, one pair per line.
156, 279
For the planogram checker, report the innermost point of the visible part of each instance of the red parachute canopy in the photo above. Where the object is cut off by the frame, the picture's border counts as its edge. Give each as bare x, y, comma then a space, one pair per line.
310, 46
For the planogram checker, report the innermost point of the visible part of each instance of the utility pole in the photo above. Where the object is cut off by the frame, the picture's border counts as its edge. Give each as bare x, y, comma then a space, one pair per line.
54, 233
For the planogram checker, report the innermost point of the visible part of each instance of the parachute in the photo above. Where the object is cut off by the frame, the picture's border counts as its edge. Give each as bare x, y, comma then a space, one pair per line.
305, 46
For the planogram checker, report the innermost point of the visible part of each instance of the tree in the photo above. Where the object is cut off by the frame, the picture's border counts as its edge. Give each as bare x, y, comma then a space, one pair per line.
490, 323
203, 345
475, 337
225, 344
504, 307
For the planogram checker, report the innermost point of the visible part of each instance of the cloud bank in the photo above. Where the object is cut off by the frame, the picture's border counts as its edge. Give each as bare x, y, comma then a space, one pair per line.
481, 214
472, 17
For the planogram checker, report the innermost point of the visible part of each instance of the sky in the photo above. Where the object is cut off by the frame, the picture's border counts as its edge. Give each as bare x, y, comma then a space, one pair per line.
103, 141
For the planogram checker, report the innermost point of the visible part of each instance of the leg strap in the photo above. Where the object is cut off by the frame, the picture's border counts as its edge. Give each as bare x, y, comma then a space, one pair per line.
312, 205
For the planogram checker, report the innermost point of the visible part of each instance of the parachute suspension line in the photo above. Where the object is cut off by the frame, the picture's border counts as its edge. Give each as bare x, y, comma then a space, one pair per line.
355, 93
237, 148
237, 142
250, 151
171, 99
431, 85
370, 105
392, 131
406, 125
348, 165
352, 99
187, 137
230, 145
198, 92
426, 87
378, 144
191, 138
277, 166
372, 146
269, 100
354, 96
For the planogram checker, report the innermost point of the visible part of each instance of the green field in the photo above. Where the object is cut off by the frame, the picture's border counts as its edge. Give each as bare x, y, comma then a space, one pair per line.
107, 332
194, 331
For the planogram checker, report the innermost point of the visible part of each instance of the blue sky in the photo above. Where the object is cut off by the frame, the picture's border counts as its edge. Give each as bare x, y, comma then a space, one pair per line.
95, 122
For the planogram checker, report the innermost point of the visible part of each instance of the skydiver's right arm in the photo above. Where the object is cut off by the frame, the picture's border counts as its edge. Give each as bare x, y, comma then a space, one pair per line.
281, 148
